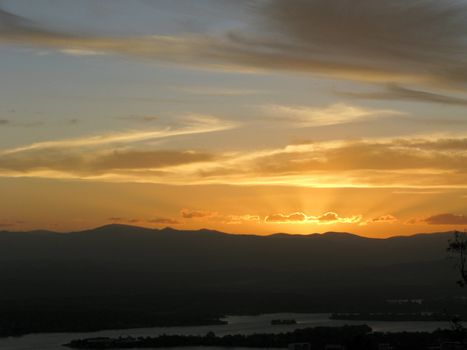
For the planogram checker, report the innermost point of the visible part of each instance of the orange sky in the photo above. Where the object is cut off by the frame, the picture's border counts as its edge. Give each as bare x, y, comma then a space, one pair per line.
271, 116
74, 205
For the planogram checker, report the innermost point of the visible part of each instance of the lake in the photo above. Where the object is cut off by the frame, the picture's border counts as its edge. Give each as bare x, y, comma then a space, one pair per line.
236, 325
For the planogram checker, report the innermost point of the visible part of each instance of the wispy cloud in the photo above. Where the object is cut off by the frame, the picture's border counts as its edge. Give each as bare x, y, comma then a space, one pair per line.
197, 214
14, 123
400, 93
429, 164
240, 219
141, 118
421, 42
80, 52
382, 219
397, 163
327, 218
153, 221
218, 91
11, 223
79, 163
164, 221
286, 218
339, 113
196, 124
214, 216
446, 219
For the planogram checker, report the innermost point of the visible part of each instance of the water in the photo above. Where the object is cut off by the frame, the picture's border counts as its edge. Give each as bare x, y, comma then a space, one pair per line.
236, 325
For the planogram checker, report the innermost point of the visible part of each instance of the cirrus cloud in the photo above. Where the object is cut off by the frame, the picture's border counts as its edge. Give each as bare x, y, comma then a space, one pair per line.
195, 124
338, 113
421, 42
427, 163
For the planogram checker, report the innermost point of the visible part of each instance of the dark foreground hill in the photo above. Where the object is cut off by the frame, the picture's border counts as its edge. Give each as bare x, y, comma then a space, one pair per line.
137, 273
124, 259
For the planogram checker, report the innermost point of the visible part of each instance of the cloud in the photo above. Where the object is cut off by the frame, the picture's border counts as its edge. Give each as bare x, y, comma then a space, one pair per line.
415, 221
10, 123
241, 219
125, 220
399, 93
218, 91
285, 218
411, 40
339, 113
330, 216
446, 219
10, 223
338, 158
196, 124
135, 159
410, 163
158, 220
164, 221
428, 163
327, 218
80, 52
421, 42
333, 218
111, 155
82, 163
141, 119
229, 219
417, 192
383, 219
197, 214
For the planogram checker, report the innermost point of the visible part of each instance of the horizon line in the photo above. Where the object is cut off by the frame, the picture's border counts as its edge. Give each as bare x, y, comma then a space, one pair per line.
222, 232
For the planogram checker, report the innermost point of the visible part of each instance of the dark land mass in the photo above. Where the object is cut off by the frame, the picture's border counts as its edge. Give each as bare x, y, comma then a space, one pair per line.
352, 337
120, 276
393, 316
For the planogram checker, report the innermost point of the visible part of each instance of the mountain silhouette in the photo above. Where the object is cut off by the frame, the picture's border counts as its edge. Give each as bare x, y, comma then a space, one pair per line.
119, 276
132, 258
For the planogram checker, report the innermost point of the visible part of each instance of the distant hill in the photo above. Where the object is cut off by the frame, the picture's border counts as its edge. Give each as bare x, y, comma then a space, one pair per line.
120, 258
119, 276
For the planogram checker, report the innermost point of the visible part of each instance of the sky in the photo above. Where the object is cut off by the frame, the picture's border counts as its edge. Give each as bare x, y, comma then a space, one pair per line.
244, 116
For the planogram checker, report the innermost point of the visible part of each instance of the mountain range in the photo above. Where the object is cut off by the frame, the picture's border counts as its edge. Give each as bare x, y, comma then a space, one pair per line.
119, 276
124, 259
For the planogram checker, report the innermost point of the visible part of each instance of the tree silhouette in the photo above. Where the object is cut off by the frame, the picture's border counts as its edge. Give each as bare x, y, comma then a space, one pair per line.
458, 247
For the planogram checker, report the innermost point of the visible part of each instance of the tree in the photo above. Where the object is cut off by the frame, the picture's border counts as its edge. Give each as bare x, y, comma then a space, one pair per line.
458, 247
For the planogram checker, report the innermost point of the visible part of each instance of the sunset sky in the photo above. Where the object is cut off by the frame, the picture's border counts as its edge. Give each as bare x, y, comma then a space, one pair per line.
261, 116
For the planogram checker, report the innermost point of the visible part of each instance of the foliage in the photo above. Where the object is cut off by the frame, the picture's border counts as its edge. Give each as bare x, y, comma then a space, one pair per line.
458, 247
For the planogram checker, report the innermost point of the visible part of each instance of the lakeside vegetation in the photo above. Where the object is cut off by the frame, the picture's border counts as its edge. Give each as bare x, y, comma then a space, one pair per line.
352, 337
194, 308
392, 316
20, 317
